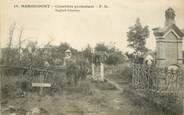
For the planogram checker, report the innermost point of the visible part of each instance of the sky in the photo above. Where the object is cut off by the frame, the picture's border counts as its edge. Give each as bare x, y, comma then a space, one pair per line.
89, 26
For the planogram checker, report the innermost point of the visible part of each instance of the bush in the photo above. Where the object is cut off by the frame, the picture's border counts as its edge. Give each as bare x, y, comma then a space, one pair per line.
8, 90
127, 73
115, 58
77, 71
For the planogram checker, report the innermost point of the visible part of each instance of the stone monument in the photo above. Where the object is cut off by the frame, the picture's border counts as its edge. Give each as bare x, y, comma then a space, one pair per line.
67, 58
168, 42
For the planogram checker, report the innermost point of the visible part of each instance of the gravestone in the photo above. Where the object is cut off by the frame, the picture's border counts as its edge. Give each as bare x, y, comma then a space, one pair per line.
168, 42
98, 57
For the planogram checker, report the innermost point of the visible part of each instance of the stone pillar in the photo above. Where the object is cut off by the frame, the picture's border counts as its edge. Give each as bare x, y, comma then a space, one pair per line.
180, 53
102, 71
93, 71
161, 54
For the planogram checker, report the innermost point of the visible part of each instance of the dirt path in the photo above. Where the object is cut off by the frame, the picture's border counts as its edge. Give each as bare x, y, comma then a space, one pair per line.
115, 84
122, 105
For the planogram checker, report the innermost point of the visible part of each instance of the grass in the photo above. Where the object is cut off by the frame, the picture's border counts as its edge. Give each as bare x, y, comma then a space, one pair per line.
120, 73
75, 100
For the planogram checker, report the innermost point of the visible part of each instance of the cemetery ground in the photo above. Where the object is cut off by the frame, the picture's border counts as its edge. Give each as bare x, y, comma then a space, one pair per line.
90, 98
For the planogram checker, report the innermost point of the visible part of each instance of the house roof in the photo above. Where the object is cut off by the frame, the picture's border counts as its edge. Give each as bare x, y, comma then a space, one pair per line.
163, 31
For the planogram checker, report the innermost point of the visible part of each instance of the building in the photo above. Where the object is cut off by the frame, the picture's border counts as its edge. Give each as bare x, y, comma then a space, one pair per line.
169, 40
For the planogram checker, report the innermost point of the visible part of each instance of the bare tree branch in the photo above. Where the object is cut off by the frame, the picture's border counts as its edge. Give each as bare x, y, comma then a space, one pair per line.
11, 31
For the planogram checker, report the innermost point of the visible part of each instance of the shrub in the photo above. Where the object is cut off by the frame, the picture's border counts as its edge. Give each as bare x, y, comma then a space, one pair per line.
77, 71
115, 58
126, 73
8, 90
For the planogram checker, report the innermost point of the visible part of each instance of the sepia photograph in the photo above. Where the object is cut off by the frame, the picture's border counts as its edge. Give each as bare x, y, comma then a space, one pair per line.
91, 57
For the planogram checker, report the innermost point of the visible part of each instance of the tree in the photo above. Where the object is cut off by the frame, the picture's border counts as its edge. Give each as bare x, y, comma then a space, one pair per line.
11, 31
101, 47
20, 44
137, 36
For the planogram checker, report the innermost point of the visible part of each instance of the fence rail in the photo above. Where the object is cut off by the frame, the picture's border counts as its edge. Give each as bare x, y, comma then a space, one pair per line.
50, 69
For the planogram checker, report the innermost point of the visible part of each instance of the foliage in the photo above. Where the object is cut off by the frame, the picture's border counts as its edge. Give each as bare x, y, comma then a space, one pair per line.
126, 73
115, 58
77, 71
101, 47
14, 86
13, 57
130, 56
33, 55
112, 55
137, 36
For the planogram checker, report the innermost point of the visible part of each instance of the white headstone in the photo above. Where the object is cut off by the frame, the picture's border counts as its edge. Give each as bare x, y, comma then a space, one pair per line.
102, 71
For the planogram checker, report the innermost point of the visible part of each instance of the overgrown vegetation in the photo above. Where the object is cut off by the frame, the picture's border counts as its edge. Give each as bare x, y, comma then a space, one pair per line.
137, 36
